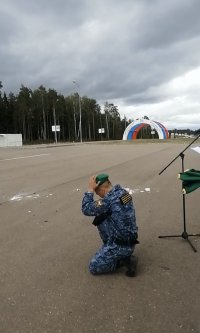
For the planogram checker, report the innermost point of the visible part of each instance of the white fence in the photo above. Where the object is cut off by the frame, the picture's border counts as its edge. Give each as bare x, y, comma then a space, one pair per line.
10, 140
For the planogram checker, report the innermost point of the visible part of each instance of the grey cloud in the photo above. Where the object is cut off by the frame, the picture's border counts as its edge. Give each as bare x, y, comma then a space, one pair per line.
116, 50
7, 27
167, 23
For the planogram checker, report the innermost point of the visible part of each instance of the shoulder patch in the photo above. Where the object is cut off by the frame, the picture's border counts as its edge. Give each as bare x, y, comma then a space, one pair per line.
125, 198
98, 203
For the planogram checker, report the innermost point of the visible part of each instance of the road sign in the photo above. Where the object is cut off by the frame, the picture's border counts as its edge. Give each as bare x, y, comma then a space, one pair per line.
56, 128
101, 130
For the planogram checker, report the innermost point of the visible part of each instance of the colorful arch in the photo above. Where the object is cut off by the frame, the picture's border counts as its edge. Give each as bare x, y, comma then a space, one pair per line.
134, 128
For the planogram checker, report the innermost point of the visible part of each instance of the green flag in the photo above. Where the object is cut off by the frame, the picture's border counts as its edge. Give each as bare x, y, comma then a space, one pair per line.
190, 180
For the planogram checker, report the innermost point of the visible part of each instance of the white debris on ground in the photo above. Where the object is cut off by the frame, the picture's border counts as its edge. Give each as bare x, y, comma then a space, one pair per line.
137, 190
26, 196
21, 196
48, 195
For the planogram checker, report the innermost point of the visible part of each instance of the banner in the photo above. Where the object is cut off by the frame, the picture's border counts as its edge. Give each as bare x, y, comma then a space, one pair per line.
190, 180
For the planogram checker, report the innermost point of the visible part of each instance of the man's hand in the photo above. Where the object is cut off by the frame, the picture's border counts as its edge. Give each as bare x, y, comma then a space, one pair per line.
92, 185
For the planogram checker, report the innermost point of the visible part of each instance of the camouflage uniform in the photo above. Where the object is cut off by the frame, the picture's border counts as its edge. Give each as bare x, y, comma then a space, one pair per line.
117, 230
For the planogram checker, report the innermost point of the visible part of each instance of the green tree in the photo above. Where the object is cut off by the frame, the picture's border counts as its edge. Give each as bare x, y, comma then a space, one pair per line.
24, 112
1, 110
33, 113
113, 121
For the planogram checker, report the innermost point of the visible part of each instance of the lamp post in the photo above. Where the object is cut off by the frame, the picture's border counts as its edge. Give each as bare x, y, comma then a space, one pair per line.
79, 100
54, 117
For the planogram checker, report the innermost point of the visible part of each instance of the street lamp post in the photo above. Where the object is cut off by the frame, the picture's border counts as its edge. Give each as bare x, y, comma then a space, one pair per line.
54, 116
79, 100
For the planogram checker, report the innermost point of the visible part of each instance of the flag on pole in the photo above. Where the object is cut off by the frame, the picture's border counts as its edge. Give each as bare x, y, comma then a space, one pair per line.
190, 180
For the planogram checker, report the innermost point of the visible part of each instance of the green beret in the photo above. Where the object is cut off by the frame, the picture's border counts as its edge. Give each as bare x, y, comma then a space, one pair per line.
102, 178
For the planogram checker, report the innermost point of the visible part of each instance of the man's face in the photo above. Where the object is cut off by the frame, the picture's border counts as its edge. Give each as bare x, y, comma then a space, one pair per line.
100, 191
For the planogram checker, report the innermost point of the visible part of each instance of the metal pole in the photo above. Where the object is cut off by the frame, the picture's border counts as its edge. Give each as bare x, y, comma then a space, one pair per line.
101, 125
75, 134
54, 116
108, 136
184, 218
80, 121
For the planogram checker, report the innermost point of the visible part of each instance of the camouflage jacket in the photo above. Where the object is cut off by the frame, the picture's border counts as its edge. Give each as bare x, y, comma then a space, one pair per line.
118, 206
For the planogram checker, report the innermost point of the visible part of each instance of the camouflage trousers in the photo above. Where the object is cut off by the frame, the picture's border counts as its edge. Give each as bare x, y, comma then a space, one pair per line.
105, 260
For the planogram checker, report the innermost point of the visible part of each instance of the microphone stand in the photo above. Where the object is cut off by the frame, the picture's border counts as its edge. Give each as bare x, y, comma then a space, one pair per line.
184, 234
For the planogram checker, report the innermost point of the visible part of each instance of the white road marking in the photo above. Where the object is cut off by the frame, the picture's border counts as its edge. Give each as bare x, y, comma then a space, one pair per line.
18, 158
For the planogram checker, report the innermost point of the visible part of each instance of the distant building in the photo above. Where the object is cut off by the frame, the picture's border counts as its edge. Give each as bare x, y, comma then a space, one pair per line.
145, 129
10, 140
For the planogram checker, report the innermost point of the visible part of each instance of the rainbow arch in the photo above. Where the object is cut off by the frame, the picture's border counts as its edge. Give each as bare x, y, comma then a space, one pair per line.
133, 129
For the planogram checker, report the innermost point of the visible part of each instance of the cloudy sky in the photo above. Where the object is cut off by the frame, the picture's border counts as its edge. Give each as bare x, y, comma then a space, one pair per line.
141, 55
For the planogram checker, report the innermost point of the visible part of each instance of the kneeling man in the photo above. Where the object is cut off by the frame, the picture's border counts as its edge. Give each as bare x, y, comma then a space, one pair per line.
116, 222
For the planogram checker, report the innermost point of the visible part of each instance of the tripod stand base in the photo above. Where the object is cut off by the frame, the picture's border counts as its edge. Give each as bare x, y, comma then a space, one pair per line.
185, 236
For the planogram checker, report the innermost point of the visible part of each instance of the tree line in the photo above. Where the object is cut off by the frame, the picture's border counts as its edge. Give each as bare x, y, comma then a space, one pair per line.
33, 113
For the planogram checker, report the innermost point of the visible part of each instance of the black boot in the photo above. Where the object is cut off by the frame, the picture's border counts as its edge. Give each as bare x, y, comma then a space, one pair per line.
131, 264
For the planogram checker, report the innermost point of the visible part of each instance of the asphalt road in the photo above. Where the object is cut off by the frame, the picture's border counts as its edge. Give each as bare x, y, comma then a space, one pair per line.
46, 243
